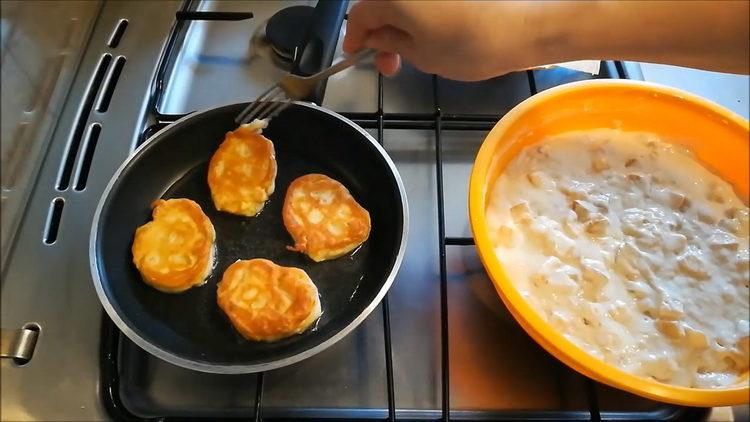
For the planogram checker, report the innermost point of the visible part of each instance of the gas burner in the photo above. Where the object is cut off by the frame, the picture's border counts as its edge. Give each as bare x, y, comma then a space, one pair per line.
285, 29
301, 40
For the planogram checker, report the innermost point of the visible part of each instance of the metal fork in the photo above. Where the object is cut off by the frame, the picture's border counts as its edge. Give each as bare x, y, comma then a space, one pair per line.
293, 87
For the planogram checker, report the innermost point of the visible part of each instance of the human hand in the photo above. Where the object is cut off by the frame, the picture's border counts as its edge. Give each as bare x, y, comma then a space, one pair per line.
476, 40
462, 40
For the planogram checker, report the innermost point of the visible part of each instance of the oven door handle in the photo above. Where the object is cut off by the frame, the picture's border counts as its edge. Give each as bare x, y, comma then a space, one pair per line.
19, 344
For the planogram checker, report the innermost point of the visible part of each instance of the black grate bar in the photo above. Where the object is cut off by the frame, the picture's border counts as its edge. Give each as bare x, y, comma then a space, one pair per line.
388, 360
80, 123
259, 397
479, 118
444, 125
445, 360
117, 33
621, 73
380, 121
171, 118
109, 86
149, 132
380, 113
419, 125
426, 117
459, 241
386, 311
532, 81
167, 59
109, 377
396, 121
53, 220
194, 15
593, 400
92, 137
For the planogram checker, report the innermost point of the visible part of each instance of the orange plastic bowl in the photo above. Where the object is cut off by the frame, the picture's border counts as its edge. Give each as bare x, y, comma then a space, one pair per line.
718, 137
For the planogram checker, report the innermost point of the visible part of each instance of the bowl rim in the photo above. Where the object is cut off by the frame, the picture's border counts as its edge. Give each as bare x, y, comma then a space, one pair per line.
530, 320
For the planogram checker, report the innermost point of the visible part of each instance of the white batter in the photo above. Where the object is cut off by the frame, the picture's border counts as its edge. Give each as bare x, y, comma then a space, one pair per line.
633, 250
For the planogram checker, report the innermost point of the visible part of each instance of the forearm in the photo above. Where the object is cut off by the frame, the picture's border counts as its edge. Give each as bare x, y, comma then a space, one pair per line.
704, 34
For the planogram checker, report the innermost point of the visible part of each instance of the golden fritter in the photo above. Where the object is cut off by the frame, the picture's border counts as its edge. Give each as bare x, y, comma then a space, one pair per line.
242, 171
323, 218
267, 302
175, 251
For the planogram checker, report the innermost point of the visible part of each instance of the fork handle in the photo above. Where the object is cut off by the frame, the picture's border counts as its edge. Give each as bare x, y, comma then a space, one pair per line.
315, 51
348, 61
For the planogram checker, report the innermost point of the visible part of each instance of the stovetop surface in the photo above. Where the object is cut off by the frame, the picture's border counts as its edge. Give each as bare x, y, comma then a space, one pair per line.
494, 369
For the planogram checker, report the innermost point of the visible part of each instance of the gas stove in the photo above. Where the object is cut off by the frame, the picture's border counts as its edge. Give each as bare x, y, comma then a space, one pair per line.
441, 345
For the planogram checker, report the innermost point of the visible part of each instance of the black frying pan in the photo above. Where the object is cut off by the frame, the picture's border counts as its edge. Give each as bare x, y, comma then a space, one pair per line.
189, 329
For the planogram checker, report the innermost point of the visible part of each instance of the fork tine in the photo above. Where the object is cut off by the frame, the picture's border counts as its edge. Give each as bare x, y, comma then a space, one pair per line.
262, 98
278, 108
271, 110
269, 102
255, 103
254, 107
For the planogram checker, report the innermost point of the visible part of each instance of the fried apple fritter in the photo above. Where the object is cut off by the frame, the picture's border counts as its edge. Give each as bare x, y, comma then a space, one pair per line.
242, 171
323, 218
267, 302
175, 251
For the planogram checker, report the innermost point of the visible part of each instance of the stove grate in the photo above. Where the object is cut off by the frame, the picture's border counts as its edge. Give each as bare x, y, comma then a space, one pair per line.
379, 120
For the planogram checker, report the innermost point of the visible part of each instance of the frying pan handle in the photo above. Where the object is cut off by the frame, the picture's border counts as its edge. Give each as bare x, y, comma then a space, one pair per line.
315, 51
